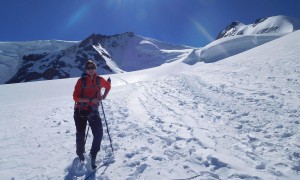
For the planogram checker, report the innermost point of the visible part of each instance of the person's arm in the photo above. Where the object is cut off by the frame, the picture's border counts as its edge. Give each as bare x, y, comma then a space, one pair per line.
105, 84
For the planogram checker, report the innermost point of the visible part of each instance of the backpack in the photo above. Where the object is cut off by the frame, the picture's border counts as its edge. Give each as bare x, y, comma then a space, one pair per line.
83, 86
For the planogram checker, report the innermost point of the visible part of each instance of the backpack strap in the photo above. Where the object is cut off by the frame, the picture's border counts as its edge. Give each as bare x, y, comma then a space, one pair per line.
83, 86
98, 85
98, 81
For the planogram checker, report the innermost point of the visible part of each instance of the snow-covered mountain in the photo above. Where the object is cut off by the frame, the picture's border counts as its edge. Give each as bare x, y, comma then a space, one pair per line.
113, 54
237, 38
275, 24
45, 60
237, 118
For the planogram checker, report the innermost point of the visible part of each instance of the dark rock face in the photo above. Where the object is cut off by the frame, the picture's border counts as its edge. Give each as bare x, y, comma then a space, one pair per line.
257, 21
34, 57
231, 28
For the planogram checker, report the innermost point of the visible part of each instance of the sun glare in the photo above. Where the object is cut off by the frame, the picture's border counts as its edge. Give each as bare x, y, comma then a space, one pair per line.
201, 29
78, 15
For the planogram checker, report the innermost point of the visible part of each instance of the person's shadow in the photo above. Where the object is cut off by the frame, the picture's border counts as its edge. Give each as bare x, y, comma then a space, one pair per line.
78, 169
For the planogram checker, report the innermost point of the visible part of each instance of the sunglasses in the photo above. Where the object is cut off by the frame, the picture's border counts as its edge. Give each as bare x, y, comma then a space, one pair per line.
90, 68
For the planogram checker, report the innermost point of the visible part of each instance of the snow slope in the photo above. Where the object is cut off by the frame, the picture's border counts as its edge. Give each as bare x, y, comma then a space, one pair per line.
229, 46
233, 119
137, 52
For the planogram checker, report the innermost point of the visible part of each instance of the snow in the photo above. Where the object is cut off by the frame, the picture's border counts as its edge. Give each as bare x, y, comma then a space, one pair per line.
109, 62
136, 53
237, 118
280, 24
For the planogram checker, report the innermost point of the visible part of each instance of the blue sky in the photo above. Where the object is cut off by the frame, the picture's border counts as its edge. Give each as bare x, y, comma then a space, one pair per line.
188, 22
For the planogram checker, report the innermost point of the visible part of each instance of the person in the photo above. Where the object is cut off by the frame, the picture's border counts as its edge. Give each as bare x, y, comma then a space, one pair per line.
87, 95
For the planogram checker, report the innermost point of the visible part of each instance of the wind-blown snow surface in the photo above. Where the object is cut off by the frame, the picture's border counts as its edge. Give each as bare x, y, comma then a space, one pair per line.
234, 119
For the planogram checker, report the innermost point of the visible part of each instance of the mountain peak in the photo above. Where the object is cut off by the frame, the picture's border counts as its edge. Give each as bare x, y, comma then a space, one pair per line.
94, 39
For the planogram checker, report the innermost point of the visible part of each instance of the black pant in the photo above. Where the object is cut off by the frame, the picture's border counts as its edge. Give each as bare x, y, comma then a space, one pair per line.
81, 117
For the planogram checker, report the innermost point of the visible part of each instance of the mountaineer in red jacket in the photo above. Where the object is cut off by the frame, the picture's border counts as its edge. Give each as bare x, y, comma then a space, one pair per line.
87, 95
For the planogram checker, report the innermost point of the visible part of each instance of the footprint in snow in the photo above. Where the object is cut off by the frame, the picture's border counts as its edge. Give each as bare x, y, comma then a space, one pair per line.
215, 163
139, 170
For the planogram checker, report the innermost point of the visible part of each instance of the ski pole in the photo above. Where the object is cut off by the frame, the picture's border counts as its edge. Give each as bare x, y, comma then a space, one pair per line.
88, 124
86, 135
107, 128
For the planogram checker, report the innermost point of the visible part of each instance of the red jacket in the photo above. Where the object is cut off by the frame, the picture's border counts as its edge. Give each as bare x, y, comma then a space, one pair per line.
91, 89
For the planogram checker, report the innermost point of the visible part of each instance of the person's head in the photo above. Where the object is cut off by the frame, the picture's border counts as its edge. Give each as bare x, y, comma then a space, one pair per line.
90, 67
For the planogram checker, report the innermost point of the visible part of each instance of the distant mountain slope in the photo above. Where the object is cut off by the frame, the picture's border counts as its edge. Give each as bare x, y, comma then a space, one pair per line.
113, 54
11, 54
131, 52
275, 24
